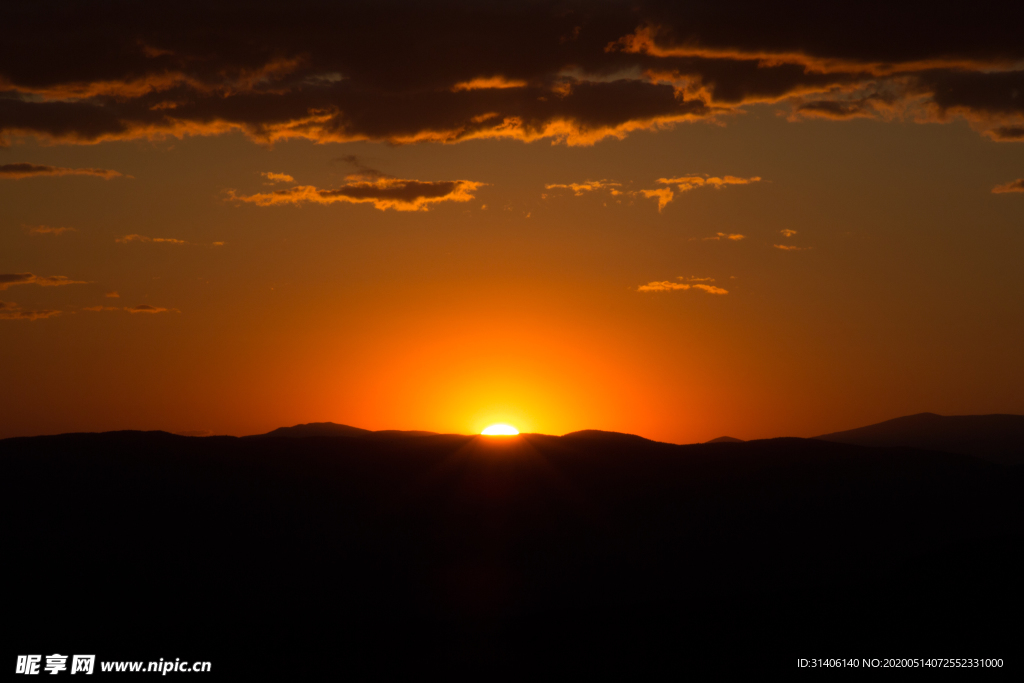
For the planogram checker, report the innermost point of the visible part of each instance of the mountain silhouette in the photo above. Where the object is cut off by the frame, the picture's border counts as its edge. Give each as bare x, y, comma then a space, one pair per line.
298, 558
333, 429
725, 439
999, 438
318, 429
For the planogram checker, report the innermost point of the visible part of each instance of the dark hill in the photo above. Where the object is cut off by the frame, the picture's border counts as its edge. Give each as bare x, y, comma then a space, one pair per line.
599, 436
725, 439
999, 438
318, 429
297, 559
333, 429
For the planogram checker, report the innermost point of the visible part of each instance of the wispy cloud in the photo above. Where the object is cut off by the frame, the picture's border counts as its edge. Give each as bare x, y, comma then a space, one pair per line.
867, 106
384, 193
141, 308
663, 194
663, 286
492, 82
11, 311
732, 237
1012, 186
10, 279
692, 182
24, 170
146, 308
129, 239
112, 295
787, 232
363, 170
48, 230
278, 177
693, 283
789, 247
711, 289
587, 186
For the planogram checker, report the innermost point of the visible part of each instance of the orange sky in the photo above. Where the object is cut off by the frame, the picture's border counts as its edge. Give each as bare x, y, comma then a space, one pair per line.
734, 266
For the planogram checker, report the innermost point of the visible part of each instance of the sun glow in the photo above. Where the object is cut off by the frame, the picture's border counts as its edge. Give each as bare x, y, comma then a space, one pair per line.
500, 430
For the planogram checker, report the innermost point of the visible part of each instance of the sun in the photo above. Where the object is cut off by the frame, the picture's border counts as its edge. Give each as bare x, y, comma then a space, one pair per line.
500, 430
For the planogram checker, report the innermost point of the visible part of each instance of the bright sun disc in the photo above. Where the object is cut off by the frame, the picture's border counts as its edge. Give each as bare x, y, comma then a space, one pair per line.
500, 430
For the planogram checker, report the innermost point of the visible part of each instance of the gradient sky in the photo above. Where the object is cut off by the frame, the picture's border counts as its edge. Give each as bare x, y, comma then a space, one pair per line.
674, 220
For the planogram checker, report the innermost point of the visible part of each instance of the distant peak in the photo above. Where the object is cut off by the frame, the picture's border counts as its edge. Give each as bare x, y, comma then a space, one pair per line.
335, 429
996, 437
600, 434
725, 439
318, 429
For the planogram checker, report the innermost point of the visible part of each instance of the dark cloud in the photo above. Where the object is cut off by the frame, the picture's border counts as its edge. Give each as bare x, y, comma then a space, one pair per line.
360, 166
869, 31
994, 93
448, 71
1007, 133
738, 79
835, 109
11, 311
383, 192
991, 101
23, 170
9, 279
1012, 186
73, 121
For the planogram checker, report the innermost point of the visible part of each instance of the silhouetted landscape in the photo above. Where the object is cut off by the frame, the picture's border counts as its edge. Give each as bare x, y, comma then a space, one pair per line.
325, 549
994, 437
709, 230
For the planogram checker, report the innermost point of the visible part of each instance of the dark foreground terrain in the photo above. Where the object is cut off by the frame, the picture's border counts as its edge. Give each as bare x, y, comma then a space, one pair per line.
999, 438
357, 557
